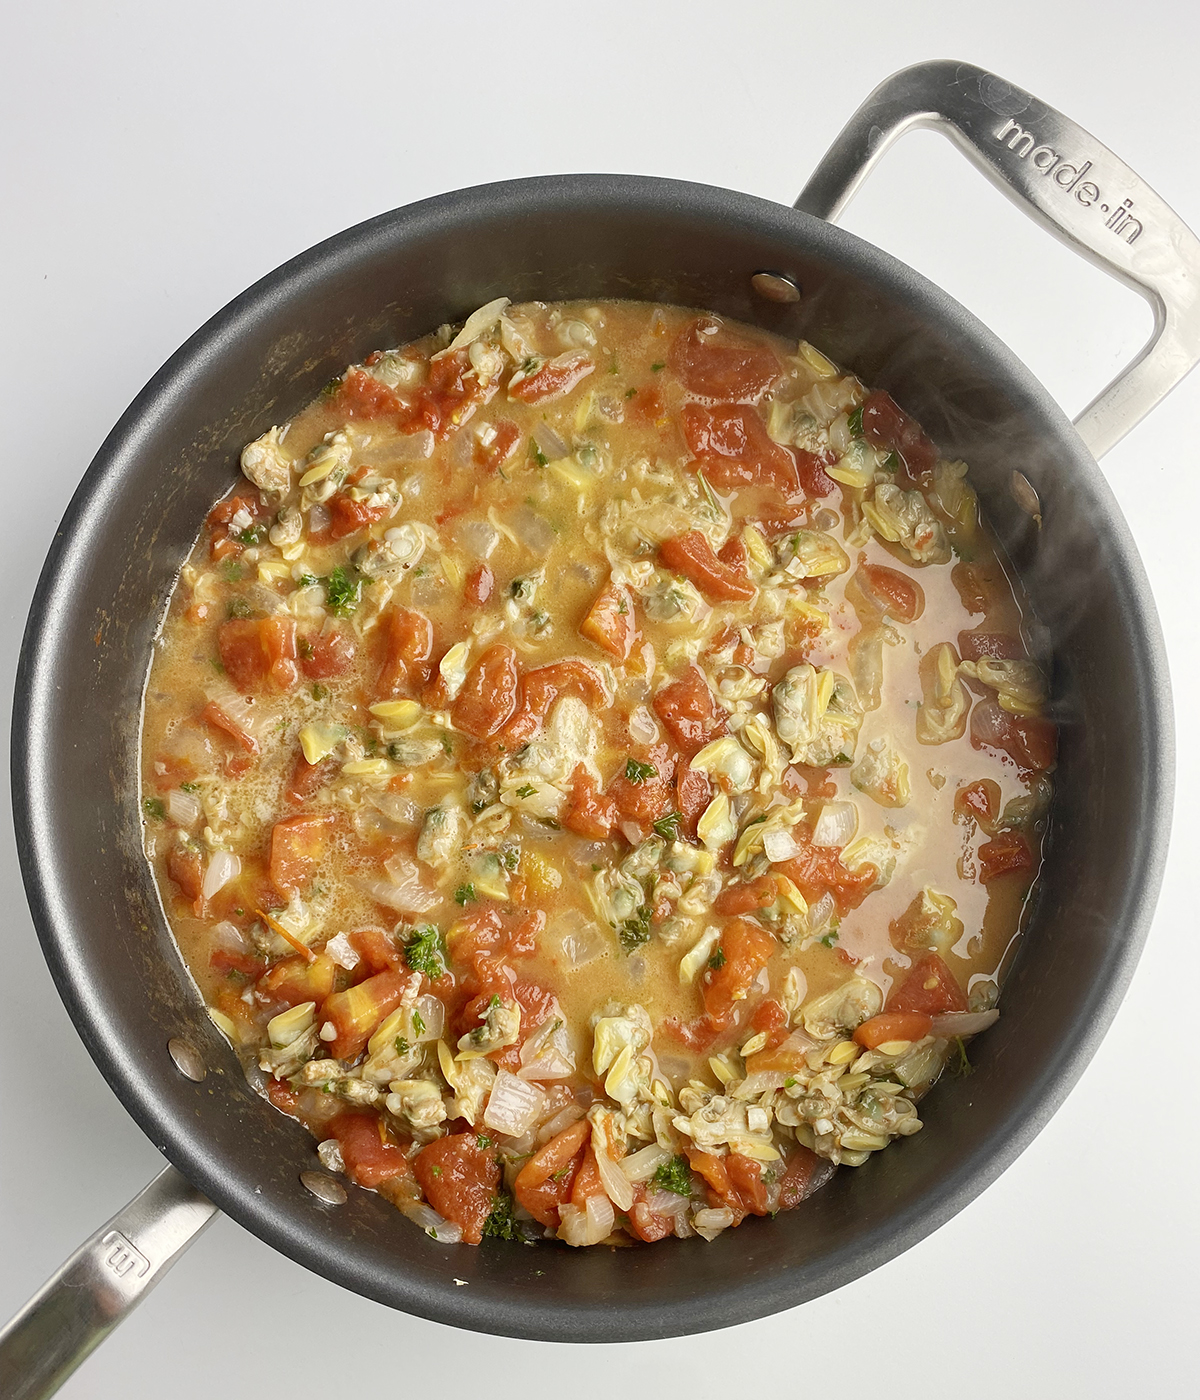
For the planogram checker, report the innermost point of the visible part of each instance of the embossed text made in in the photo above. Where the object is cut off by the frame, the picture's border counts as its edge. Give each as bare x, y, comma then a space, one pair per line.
1070, 178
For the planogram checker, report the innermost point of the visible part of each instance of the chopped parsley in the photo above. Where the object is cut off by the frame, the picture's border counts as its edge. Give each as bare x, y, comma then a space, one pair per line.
307, 581
511, 857
891, 463
343, 591
634, 932
657, 365
401, 1045
500, 1224
789, 1083
155, 809
636, 772
718, 960
629, 393
527, 790
189, 787
237, 607
622, 606
668, 827
675, 1175
418, 1022
331, 388
305, 648
483, 1141
855, 423
827, 940
319, 692
464, 894
232, 570
425, 952
253, 534
537, 454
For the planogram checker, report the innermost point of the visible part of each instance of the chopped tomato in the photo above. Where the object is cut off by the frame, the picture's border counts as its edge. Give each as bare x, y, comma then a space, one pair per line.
610, 622
346, 515
369, 1156
818, 869
185, 868
297, 979
357, 1012
223, 545
1029, 740
460, 1181
307, 777
378, 950
733, 553
733, 448
448, 398
811, 471
929, 987
979, 802
646, 1224
257, 651
297, 845
326, 654
480, 584
552, 379
893, 1025
887, 426
696, 1035
245, 965
587, 1181
771, 1020
545, 1181
589, 812
493, 934
213, 714
803, 1174
693, 793
1006, 852
746, 1178
408, 638
892, 592
489, 694
495, 453
688, 710
744, 950
692, 556
542, 687
745, 898
644, 800
714, 362
1000, 646
361, 395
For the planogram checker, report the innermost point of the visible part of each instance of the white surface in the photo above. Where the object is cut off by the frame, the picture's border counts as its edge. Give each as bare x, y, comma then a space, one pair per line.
158, 159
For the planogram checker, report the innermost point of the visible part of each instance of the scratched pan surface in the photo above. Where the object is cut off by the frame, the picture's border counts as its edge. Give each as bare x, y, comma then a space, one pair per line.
139, 509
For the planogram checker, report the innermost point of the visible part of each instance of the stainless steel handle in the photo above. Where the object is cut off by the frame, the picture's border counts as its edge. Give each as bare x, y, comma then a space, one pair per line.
104, 1279
1066, 180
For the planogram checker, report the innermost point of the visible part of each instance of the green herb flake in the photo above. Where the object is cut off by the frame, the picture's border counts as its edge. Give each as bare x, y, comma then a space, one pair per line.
500, 1224
253, 534
401, 1045
343, 591
855, 423
526, 790
418, 1022
675, 1175
237, 607
511, 857
960, 1065
232, 570
657, 365
668, 827
636, 772
331, 388
827, 940
154, 809
189, 787
629, 393
483, 1141
464, 894
708, 492
635, 932
307, 581
718, 960
789, 1083
891, 463
319, 692
425, 952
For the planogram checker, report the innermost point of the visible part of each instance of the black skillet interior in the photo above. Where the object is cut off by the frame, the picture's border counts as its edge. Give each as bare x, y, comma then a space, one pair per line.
138, 511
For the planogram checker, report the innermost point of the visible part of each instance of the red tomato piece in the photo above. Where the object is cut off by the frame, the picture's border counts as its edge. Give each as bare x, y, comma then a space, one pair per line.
448, 398
213, 714
297, 845
744, 950
646, 799
408, 637
589, 812
892, 592
693, 793
255, 652
979, 802
545, 1181
294, 980
692, 556
361, 395
481, 582
772, 1020
690, 713
749, 896
893, 1025
185, 868
887, 426
1031, 741
307, 777
587, 1181
1006, 852
326, 654
714, 362
347, 516
819, 869
460, 1181
494, 455
811, 470
646, 1224
357, 1012
542, 687
489, 694
733, 448
930, 988
370, 1157
803, 1174
553, 379
610, 622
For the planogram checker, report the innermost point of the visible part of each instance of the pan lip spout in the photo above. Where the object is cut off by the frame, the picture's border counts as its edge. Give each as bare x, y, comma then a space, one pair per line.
498, 1288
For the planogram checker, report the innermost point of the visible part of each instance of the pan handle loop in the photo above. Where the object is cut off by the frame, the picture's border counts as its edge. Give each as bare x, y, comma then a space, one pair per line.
1066, 180
103, 1281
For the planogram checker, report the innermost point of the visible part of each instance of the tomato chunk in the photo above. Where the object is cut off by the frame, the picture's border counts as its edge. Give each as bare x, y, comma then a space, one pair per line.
645, 799
893, 1025
185, 868
489, 694
714, 362
545, 1181
1031, 741
361, 395
692, 556
818, 869
357, 1012
930, 988
481, 583
744, 950
370, 1158
978, 802
886, 425
553, 379
501, 446
448, 398
326, 654
297, 845
610, 622
213, 714
542, 687
1006, 852
690, 713
804, 1173
693, 793
459, 1180
646, 1224
297, 979
589, 812
408, 638
754, 894
347, 516
257, 651
733, 448
892, 592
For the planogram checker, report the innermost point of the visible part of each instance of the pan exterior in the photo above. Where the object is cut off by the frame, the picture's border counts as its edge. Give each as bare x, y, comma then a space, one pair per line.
135, 517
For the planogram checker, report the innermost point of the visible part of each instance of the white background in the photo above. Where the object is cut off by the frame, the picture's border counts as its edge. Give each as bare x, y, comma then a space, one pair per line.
159, 158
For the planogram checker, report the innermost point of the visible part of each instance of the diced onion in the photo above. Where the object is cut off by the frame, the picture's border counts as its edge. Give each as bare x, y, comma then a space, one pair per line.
710, 1223
229, 936
600, 1218
551, 446
572, 1113
183, 807
584, 944
836, 825
779, 844
478, 322
436, 1226
433, 1016
343, 952
514, 1106
614, 1181
408, 897
956, 1023
223, 866
318, 519
642, 728
396, 807
666, 1202
641, 1166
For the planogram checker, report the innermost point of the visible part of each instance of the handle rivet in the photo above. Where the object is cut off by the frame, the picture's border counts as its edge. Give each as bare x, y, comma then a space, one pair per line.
1026, 497
187, 1059
324, 1188
774, 286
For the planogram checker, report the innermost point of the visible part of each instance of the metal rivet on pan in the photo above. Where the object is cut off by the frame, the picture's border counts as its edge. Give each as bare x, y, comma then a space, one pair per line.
774, 286
1026, 497
324, 1188
187, 1059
